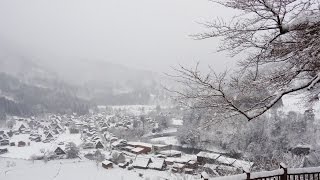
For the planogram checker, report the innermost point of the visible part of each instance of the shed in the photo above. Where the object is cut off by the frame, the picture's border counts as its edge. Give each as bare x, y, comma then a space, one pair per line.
107, 164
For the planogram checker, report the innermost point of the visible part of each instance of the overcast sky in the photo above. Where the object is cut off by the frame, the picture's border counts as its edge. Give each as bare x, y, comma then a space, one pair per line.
148, 34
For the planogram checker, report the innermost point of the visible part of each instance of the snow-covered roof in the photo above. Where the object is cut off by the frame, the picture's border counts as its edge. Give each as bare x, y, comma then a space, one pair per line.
137, 150
19, 124
245, 165
140, 144
106, 162
205, 175
157, 163
208, 155
141, 162
226, 160
170, 152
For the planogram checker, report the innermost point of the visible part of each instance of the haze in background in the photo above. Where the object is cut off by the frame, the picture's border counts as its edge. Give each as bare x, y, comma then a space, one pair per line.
145, 34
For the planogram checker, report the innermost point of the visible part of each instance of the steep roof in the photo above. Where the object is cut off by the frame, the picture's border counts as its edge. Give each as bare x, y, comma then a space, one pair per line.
141, 162
157, 163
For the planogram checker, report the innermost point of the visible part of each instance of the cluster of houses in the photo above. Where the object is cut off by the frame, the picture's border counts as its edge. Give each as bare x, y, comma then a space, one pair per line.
43, 130
94, 131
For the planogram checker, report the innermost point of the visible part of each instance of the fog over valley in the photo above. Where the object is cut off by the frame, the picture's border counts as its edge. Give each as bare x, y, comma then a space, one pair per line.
160, 90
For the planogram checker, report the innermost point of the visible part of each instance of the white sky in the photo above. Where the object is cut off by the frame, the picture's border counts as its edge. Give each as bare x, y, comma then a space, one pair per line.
148, 34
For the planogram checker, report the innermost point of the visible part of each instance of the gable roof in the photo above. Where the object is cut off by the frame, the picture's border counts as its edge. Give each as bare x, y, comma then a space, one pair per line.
141, 162
157, 163
208, 155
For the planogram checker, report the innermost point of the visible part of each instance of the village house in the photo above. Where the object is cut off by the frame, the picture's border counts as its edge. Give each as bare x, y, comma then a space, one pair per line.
117, 157
206, 157
141, 162
20, 127
157, 164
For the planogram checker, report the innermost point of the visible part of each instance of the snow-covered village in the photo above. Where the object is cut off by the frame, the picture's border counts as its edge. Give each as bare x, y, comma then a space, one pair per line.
160, 90
89, 141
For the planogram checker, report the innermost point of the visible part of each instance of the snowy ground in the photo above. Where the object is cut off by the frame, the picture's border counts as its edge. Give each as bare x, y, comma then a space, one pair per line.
73, 169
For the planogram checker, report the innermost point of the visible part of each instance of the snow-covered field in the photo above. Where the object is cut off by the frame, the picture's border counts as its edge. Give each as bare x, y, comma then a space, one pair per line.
35, 148
75, 169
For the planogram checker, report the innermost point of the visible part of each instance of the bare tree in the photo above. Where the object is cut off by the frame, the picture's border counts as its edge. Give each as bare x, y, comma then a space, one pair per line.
280, 42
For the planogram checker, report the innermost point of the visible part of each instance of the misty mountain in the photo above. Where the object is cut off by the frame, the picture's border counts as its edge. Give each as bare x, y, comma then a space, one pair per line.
46, 84
19, 98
